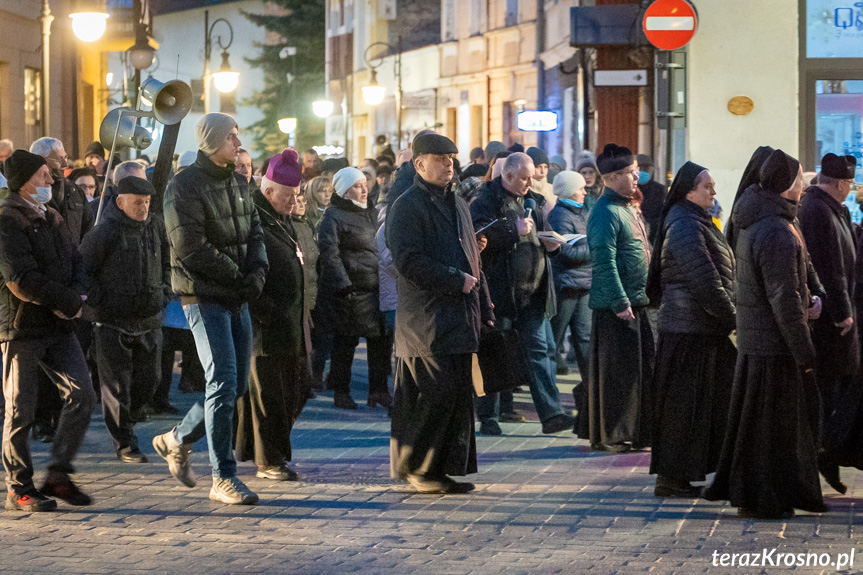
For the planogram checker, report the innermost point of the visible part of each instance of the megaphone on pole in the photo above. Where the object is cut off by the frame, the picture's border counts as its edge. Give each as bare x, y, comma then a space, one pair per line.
120, 130
171, 100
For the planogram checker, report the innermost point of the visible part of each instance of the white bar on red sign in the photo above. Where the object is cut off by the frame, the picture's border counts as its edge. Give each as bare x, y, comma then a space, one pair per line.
670, 23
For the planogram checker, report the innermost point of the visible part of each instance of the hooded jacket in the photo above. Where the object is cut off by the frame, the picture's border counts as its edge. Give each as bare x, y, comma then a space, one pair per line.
772, 293
215, 234
129, 263
41, 271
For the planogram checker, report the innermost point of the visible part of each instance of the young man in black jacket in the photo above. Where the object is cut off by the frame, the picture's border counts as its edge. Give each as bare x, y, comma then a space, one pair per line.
43, 279
127, 256
218, 265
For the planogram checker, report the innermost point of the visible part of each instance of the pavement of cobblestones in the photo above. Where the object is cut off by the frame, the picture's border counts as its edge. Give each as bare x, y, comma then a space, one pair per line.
543, 504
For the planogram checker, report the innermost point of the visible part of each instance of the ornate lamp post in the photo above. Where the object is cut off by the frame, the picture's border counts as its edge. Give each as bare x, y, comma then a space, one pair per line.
373, 93
225, 79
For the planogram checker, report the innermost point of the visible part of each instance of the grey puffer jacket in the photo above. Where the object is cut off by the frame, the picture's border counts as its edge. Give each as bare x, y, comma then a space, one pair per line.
697, 274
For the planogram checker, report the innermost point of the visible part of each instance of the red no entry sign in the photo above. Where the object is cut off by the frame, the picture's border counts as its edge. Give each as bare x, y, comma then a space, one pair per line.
670, 24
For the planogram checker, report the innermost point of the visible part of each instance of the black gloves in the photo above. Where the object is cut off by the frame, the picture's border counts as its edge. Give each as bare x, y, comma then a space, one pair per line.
253, 285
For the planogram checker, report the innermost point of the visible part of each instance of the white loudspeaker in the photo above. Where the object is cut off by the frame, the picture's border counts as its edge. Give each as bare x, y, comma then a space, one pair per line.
171, 100
128, 133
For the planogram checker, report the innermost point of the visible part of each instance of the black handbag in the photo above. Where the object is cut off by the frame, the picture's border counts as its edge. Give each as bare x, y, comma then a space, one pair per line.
501, 361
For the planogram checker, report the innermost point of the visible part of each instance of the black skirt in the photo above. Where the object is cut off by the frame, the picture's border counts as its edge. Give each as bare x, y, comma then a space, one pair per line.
769, 462
692, 391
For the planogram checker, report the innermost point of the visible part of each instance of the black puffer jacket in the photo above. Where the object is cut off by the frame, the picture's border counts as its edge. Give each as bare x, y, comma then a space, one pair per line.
572, 269
308, 241
277, 316
41, 270
348, 284
772, 292
215, 234
129, 263
697, 274
73, 206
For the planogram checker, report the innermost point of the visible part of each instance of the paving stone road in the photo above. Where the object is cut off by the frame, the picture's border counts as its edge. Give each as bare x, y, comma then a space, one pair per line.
543, 504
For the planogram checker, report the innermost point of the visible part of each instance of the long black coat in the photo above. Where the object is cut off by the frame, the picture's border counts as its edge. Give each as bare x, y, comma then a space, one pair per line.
41, 271
277, 316
499, 258
129, 263
697, 274
308, 241
430, 235
348, 283
772, 292
571, 267
826, 227
215, 233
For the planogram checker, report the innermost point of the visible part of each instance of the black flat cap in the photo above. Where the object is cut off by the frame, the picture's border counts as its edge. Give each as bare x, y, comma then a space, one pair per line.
614, 158
334, 164
838, 167
137, 186
433, 144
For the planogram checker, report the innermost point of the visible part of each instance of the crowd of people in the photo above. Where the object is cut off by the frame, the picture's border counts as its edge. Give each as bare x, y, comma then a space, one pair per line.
731, 353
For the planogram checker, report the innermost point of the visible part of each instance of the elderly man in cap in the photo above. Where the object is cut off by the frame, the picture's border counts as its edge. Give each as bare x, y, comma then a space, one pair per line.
830, 238
43, 279
279, 383
218, 266
127, 256
621, 345
440, 310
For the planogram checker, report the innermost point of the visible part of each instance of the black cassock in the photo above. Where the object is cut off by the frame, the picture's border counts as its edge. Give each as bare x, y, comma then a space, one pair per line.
433, 423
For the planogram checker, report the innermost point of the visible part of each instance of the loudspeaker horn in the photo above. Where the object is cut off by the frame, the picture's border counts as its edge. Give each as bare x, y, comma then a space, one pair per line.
128, 133
171, 100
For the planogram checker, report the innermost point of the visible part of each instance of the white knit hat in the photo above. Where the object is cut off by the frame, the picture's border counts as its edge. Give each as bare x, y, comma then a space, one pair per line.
345, 178
567, 182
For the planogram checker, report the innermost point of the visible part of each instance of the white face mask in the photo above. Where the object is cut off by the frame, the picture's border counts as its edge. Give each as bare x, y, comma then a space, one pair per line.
43, 195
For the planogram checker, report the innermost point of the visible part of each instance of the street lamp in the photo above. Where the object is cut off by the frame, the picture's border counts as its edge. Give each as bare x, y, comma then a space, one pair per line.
89, 20
322, 108
374, 93
225, 79
288, 123
141, 55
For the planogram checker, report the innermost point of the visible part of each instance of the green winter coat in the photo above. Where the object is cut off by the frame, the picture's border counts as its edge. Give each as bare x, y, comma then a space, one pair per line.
619, 252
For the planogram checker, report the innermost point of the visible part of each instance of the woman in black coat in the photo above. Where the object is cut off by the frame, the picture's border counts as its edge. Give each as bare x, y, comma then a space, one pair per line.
768, 465
348, 288
692, 271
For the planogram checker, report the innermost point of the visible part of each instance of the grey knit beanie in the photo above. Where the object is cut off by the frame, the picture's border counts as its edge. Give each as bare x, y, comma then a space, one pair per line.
212, 130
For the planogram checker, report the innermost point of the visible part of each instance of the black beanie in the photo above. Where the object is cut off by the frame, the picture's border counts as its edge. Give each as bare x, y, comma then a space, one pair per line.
95, 149
614, 158
778, 172
21, 166
537, 155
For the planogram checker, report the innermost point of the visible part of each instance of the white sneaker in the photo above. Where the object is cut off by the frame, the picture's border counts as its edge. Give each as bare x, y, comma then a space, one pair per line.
232, 491
177, 456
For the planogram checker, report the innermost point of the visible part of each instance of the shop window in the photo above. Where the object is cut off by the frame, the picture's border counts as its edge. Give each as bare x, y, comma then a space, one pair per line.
834, 29
839, 128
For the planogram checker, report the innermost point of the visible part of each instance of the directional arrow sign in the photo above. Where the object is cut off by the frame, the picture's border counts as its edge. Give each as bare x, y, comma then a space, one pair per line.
670, 24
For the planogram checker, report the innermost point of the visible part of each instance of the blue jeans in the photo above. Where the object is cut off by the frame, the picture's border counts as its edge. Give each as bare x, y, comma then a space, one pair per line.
224, 341
574, 311
534, 330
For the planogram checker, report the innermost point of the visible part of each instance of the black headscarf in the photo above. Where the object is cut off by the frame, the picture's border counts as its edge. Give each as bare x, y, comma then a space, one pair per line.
684, 182
750, 178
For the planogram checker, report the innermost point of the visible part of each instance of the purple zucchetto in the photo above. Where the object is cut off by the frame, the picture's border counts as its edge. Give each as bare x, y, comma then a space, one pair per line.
284, 169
